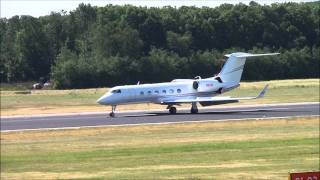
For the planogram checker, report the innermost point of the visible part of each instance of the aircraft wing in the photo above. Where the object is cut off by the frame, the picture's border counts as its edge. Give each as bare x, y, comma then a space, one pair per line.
205, 101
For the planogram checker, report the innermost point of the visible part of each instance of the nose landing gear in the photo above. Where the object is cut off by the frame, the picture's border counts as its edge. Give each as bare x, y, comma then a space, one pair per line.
113, 109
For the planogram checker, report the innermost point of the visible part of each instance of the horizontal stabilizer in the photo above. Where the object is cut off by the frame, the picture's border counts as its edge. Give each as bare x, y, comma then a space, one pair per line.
244, 55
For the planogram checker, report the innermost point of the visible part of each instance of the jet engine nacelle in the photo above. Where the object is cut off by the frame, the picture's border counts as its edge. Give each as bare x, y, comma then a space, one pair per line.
206, 85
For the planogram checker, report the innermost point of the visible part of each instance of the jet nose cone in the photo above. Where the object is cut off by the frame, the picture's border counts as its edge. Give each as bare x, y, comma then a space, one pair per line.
106, 99
100, 100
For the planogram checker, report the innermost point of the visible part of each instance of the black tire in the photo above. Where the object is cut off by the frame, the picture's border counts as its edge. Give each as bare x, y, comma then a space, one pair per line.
173, 110
111, 114
194, 111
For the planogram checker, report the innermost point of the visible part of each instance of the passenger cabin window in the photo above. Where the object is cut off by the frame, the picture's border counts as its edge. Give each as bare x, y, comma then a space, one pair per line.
178, 90
171, 91
149, 92
116, 91
164, 91
141, 93
156, 92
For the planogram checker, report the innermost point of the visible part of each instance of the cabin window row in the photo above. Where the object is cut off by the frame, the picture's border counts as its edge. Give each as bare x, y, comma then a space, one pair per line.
171, 91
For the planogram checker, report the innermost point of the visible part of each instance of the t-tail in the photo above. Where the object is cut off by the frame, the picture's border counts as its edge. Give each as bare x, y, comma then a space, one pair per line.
232, 70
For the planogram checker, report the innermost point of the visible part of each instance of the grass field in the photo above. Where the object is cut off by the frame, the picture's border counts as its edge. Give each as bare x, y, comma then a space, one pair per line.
19, 86
252, 149
61, 101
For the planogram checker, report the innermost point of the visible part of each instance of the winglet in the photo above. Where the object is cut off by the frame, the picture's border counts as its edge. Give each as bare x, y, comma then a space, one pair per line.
263, 92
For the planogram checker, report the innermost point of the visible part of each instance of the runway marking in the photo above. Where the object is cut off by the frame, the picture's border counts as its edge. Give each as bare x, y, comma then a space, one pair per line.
162, 123
135, 111
140, 115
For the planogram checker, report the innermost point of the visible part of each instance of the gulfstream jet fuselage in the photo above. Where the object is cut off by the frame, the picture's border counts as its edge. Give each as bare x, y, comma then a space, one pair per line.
179, 91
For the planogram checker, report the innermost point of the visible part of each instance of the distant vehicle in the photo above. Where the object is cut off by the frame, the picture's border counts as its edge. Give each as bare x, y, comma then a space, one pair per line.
47, 84
37, 86
181, 91
41, 85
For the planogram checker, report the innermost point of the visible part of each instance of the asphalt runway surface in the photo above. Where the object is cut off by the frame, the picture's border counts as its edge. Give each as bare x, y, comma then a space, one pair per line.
156, 117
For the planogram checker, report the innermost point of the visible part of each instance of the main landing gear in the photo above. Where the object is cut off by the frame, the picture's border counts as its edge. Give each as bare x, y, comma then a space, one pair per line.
113, 109
194, 108
172, 109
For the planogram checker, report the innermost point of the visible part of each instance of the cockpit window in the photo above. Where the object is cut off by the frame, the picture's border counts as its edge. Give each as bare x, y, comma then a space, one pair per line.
116, 91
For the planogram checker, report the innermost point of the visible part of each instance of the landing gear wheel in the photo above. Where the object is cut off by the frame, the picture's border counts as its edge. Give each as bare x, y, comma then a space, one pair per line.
194, 111
113, 109
194, 108
173, 110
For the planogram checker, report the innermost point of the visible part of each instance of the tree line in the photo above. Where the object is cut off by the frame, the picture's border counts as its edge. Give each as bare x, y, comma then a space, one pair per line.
112, 45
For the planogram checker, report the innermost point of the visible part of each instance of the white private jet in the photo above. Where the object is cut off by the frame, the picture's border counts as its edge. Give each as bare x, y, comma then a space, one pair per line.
180, 91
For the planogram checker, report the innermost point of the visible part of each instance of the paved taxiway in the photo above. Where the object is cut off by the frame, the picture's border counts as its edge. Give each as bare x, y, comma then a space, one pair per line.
143, 117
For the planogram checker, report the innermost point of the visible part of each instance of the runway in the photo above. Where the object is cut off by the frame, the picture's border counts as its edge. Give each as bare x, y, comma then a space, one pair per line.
156, 117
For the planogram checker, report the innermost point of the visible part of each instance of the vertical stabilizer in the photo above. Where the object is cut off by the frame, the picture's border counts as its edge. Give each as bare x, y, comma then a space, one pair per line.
232, 70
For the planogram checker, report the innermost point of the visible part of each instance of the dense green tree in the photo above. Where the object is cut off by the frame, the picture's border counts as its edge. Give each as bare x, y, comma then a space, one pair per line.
152, 32
117, 40
55, 28
72, 71
105, 46
14, 67
3, 73
179, 43
205, 63
162, 65
34, 48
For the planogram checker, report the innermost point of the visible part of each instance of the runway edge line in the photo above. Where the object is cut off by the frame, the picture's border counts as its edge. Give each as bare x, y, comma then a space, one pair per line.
163, 123
134, 111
